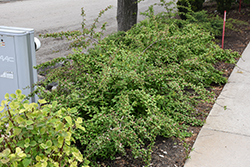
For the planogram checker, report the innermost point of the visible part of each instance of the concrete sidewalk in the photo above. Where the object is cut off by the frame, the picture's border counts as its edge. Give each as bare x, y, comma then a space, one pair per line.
224, 141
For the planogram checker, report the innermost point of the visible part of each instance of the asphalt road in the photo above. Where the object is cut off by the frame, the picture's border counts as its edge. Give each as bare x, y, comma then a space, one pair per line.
47, 16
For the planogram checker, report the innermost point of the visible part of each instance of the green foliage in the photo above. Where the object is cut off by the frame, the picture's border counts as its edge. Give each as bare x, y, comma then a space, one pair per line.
189, 6
36, 136
135, 85
211, 23
223, 5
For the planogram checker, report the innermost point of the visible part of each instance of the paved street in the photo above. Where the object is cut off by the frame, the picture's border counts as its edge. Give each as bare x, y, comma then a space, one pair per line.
59, 15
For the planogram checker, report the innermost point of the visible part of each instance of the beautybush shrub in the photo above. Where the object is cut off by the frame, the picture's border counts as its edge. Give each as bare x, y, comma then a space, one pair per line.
135, 85
37, 136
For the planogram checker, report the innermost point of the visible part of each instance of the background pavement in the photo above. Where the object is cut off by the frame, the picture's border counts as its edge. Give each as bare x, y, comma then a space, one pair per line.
48, 16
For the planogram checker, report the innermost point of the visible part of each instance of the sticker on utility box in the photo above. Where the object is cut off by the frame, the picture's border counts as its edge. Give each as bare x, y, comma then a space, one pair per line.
7, 74
2, 44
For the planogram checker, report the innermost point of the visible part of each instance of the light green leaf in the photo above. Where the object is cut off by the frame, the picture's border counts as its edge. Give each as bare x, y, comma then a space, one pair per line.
59, 126
13, 95
79, 120
42, 101
49, 143
26, 145
13, 105
18, 92
17, 131
26, 105
69, 120
29, 122
22, 111
5, 161
60, 141
44, 164
42, 130
74, 164
27, 140
4, 102
1, 108
6, 152
43, 146
80, 127
54, 104
20, 153
38, 158
78, 155
56, 164
1, 139
7, 96
20, 120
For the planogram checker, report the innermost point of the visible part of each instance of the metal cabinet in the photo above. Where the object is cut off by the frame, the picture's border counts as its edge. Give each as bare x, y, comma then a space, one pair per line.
17, 58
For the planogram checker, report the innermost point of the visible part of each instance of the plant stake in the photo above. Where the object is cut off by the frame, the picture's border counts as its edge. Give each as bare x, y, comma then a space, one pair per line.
223, 33
240, 6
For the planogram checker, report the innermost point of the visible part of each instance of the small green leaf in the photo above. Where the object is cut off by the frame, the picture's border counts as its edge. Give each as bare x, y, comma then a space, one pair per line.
49, 143
33, 143
27, 150
13, 95
69, 120
60, 141
42, 101
40, 140
17, 131
1, 139
42, 130
74, 164
80, 127
43, 146
26, 106
26, 162
18, 92
7, 96
78, 155
79, 120
20, 153
1, 108
29, 122
5, 161
38, 158
4, 102
13, 105
20, 120
21, 144
54, 104
27, 140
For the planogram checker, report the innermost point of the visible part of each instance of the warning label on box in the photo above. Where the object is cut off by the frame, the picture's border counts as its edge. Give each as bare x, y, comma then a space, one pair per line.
7, 74
2, 44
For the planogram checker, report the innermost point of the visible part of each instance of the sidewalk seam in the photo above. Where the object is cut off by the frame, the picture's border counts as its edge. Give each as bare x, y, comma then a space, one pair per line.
233, 133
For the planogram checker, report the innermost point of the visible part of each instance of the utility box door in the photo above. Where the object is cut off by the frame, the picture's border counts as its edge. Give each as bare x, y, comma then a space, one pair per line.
17, 58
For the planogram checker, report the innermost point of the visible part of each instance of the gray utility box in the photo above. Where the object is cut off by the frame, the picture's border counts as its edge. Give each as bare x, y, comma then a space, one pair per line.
17, 58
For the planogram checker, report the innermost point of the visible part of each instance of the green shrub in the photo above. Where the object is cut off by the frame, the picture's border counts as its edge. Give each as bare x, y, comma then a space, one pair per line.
223, 5
135, 85
188, 6
34, 136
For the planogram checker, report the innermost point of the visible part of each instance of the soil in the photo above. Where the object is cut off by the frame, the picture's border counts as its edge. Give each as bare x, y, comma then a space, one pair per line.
170, 152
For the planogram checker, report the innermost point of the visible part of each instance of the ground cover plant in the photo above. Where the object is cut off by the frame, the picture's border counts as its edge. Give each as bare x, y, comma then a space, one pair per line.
134, 86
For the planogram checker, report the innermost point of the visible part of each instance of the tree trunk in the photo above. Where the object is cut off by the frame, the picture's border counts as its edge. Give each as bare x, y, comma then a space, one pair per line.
126, 14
